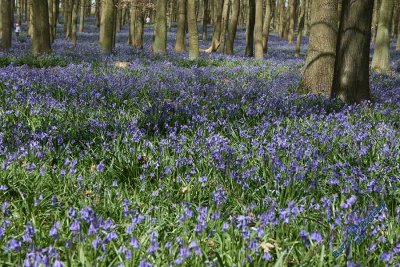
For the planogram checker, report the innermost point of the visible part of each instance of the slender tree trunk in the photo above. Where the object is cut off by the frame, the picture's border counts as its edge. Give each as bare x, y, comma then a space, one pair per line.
282, 18
381, 58
267, 25
51, 20
132, 22
55, 19
160, 29
217, 14
258, 31
139, 27
320, 62
224, 26
250, 29
192, 26
351, 76
205, 21
292, 17
82, 16
300, 28
41, 29
107, 26
375, 19
6, 24
180, 44
396, 16
232, 27
30, 16
74, 21
97, 11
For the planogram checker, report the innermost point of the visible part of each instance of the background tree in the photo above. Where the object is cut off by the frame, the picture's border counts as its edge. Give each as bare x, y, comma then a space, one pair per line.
381, 58
192, 26
74, 21
40, 27
232, 27
180, 44
160, 28
224, 26
6, 24
82, 16
258, 30
321, 52
107, 26
250, 28
267, 25
292, 17
300, 28
351, 75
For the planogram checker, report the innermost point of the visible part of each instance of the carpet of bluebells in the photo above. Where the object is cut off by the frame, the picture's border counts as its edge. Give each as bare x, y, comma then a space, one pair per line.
171, 162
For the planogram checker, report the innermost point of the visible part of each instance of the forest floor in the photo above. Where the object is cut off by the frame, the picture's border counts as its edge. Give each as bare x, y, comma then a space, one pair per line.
214, 162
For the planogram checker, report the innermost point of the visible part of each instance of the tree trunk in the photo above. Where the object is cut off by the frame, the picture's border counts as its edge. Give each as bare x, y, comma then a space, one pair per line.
97, 11
40, 27
180, 44
267, 25
351, 76
232, 27
205, 20
51, 19
395, 22
132, 22
381, 58
292, 16
107, 26
139, 27
320, 62
375, 19
258, 31
282, 17
192, 26
250, 29
300, 28
82, 16
217, 25
6, 24
74, 21
160, 28
224, 26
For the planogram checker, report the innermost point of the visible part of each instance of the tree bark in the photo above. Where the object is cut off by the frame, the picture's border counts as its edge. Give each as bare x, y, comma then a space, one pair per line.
205, 20
267, 25
282, 17
40, 27
351, 76
292, 17
107, 26
224, 26
82, 16
192, 26
320, 61
74, 21
300, 28
160, 28
6, 25
375, 19
180, 44
232, 27
217, 14
258, 31
139, 27
250, 29
381, 58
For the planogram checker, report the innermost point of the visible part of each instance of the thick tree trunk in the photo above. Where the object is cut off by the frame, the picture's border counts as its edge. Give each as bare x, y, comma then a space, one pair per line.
351, 76
82, 16
292, 17
160, 28
250, 29
180, 44
107, 26
6, 24
320, 62
300, 28
205, 20
381, 58
267, 25
74, 21
232, 27
40, 27
192, 26
258, 31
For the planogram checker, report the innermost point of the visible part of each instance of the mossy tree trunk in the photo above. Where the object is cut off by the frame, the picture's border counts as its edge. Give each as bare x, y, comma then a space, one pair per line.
258, 31
107, 26
6, 24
